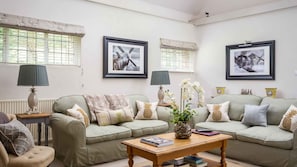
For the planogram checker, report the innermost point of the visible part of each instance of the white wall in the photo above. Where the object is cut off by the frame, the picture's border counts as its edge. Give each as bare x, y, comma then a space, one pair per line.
280, 26
99, 21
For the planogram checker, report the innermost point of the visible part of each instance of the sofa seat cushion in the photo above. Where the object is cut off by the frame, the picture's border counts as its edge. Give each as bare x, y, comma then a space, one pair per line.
96, 133
271, 136
146, 127
230, 128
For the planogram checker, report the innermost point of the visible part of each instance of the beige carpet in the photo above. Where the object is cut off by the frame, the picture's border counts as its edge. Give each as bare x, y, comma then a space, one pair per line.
141, 162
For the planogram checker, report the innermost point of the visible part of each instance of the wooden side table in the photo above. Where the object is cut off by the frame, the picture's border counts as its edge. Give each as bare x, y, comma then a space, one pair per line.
38, 118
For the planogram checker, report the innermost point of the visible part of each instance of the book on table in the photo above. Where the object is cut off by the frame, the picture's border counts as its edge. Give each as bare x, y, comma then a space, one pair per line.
156, 141
205, 132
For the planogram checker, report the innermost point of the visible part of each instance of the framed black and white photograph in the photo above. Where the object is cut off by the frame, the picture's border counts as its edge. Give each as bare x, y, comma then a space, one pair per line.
124, 58
251, 61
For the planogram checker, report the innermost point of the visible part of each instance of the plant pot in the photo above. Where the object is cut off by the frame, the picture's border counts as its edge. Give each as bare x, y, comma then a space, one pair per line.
182, 130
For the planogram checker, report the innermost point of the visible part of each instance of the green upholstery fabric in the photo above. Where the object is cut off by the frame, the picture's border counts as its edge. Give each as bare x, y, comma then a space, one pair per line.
96, 134
277, 108
269, 136
146, 127
230, 128
237, 102
63, 103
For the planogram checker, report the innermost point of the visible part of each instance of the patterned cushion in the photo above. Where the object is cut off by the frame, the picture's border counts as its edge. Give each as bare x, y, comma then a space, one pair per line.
255, 115
16, 137
117, 101
96, 102
77, 112
111, 117
146, 110
289, 120
218, 112
3, 118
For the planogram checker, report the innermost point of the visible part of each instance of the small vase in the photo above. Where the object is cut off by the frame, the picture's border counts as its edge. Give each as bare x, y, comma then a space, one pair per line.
182, 130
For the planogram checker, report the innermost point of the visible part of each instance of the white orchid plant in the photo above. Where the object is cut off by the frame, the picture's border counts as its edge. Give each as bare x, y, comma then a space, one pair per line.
188, 91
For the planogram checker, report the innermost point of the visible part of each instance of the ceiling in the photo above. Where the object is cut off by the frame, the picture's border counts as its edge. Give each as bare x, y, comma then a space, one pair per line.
194, 11
198, 8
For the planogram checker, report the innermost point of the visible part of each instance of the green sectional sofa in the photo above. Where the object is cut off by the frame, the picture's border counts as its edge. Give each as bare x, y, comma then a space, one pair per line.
77, 145
269, 145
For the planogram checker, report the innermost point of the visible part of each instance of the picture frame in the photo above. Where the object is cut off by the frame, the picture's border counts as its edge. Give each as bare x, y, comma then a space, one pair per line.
251, 61
124, 58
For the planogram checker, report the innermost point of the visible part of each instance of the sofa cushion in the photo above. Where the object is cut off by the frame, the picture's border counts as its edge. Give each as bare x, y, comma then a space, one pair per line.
132, 100
112, 117
96, 102
117, 101
77, 112
230, 128
277, 108
16, 137
271, 136
289, 121
237, 102
97, 134
146, 127
146, 110
255, 115
3, 118
218, 112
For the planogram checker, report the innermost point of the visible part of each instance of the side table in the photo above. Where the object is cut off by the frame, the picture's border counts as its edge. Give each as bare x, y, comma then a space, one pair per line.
38, 118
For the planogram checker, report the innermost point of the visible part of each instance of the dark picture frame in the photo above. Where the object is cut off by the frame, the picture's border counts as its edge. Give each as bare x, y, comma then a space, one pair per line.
251, 61
124, 58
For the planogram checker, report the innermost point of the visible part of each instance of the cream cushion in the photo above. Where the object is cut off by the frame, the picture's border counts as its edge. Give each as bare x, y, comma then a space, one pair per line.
97, 102
117, 101
38, 156
112, 117
289, 120
77, 112
146, 110
218, 112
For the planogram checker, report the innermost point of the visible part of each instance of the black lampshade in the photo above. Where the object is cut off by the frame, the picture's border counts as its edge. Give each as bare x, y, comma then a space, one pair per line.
33, 75
160, 78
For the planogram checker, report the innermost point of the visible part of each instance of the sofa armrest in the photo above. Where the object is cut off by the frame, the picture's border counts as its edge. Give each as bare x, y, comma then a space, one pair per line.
67, 131
200, 115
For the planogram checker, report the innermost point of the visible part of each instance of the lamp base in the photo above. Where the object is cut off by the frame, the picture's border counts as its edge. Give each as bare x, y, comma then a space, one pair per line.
161, 96
32, 101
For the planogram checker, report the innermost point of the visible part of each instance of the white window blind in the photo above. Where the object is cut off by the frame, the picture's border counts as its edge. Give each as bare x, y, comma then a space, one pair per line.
26, 40
177, 55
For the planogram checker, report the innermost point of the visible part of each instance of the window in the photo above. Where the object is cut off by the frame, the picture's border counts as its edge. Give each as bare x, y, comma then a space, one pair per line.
33, 47
177, 55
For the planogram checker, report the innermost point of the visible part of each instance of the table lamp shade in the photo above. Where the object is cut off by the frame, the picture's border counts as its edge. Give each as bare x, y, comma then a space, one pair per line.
32, 75
160, 78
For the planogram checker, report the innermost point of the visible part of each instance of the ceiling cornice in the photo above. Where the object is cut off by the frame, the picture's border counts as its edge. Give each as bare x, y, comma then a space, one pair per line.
269, 7
147, 8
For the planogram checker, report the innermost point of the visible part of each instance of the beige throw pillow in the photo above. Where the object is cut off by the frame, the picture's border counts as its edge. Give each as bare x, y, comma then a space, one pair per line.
117, 101
146, 110
112, 117
97, 102
77, 112
289, 120
218, 112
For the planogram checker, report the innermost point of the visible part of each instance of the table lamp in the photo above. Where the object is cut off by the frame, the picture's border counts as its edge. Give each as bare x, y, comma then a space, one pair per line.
32, 75
160, 78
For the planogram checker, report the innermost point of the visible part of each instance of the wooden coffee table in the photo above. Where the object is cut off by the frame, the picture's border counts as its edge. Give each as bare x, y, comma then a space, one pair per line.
181, 147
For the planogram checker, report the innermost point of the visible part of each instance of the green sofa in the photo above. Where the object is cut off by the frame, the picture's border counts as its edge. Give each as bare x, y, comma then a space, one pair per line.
76, 145
264, 146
